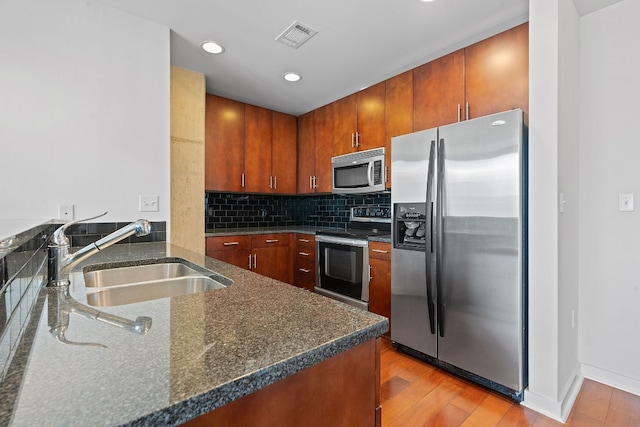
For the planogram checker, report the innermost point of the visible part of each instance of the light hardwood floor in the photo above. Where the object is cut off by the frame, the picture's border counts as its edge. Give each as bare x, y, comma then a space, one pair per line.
415, 393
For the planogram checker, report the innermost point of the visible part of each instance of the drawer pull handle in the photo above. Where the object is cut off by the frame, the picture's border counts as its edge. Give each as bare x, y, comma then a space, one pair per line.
304, 240
230, 243
380, 251
271, 240
303, 253
304, 270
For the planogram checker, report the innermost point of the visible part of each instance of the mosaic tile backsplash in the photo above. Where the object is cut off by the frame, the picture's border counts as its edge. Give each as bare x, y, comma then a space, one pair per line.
234, 211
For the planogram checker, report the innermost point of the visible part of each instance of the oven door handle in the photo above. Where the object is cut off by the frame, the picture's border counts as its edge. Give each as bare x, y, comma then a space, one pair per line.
343, 241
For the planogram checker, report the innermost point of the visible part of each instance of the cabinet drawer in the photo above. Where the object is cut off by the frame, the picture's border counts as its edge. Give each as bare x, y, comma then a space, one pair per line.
228, 242
305, 274
380, 250
305, 241
268, 240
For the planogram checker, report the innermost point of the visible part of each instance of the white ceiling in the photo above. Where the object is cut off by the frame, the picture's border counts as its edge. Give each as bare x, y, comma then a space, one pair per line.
359, 42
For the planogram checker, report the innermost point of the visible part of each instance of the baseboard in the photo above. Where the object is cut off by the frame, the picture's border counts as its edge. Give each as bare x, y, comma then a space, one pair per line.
557, 410
612, 379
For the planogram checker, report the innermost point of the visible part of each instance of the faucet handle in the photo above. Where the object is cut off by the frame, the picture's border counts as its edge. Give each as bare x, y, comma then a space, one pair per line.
59, 238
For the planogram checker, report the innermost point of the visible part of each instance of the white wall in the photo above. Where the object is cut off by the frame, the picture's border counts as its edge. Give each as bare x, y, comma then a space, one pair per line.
84, 110
543, 216
609, 165
553, 238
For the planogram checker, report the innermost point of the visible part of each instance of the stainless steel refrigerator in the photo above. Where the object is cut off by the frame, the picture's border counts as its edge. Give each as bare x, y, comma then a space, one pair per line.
459, 255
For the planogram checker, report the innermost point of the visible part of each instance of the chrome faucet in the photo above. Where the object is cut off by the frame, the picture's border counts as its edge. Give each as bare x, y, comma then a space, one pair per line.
61, 262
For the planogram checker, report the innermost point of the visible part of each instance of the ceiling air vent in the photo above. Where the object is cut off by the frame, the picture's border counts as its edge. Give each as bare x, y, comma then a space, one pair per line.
296, 34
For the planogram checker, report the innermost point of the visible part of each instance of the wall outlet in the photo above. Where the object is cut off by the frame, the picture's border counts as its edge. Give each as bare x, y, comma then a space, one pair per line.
148, 203
65, 212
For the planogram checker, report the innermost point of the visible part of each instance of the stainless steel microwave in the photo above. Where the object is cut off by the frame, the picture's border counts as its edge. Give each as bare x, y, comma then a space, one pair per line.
361, 172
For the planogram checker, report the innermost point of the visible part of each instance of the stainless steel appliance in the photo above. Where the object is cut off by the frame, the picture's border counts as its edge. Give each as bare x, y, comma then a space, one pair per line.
342, 256
459, 255
360, 172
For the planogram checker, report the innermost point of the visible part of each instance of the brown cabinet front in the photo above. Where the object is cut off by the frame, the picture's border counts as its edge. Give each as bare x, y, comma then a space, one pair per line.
304, 267
359, 120
266, 254
380, 279
398, 112
248, 148
497, 73
314, 151
224, 144
485, 78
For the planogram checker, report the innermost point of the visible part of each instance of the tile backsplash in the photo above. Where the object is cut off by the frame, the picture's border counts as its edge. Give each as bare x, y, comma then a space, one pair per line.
234, 210
23, 273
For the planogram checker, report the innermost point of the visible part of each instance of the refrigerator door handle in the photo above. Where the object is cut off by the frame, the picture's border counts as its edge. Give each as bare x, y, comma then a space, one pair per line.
429, 241
439, 235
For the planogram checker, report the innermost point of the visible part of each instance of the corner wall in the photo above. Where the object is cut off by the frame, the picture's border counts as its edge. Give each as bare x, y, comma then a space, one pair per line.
609, 153
85, 110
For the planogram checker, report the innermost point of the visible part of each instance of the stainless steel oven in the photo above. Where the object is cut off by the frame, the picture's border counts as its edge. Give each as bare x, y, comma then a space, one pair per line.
343, 269
342, 256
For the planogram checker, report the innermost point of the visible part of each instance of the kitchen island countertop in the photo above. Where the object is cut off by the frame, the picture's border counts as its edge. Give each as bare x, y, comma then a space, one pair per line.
203, 350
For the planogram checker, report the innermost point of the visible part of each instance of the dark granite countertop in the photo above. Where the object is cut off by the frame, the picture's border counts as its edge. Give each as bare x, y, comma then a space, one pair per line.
304, 229
202, 351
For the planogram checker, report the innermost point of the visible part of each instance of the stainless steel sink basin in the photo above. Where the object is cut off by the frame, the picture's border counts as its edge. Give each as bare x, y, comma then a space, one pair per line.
122, 283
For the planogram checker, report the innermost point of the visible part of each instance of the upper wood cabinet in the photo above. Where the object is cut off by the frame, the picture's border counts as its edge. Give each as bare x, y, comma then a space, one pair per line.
284, 153
485, 78
398, 112
314, 147
249, 148
497, 73
438, 91
224, 144
359, 120
257, 149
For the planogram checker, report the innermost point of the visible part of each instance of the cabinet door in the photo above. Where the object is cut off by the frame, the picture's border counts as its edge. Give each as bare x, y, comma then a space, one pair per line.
380, 279
257, 142
371, 114
497, 73
438, 91
224, 144
232, 249
284, 153
306, 153
398, 112
344, 125
272, 256
323, 124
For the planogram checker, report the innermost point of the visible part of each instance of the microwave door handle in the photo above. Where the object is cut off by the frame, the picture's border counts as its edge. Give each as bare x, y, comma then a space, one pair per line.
370, 174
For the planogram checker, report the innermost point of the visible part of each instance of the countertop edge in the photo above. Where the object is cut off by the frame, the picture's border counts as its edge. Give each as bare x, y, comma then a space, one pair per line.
196, 406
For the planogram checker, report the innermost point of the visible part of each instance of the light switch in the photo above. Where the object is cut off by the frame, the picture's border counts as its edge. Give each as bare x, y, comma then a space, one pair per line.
625, 202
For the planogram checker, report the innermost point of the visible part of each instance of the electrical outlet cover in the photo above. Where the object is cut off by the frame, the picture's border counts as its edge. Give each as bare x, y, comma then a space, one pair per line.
148, 203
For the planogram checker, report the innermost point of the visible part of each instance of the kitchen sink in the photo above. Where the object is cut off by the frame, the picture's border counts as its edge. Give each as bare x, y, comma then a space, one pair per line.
122, 283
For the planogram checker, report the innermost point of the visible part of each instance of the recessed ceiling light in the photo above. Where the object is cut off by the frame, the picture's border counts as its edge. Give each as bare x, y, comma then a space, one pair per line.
427, 1
292, 77
212, 47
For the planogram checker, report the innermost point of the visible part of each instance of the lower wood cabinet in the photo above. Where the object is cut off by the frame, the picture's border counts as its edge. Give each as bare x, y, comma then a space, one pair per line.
343, 390
266, 254
380, 279
304, 263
